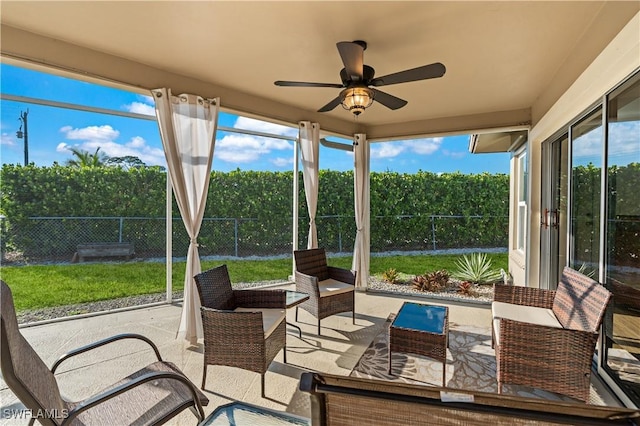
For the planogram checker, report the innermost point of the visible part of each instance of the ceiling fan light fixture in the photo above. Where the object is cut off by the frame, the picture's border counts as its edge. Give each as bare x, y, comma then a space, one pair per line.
356, 99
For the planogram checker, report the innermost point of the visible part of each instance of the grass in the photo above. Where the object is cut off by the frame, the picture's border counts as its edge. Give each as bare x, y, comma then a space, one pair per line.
42, 286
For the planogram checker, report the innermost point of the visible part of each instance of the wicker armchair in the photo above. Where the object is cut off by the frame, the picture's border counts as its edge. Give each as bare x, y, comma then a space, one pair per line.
242, 328
340, 400
331, 290
546, 338
151, 396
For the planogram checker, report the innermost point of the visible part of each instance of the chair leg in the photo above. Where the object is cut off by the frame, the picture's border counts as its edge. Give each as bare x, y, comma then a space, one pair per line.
353, 316
296, 314
204, 375
499, 387
262, 385
318, 327
284, 353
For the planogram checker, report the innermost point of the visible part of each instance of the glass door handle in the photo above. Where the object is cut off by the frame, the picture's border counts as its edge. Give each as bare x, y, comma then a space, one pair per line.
545, 219
556, 218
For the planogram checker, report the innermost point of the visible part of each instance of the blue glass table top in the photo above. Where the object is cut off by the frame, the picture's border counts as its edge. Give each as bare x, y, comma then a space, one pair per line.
420, 317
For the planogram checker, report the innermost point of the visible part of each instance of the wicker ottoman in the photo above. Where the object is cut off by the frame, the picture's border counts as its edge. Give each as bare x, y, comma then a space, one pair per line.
421, 329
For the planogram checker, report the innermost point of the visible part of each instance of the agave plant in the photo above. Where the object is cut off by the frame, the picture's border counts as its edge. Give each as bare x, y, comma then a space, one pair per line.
476, 268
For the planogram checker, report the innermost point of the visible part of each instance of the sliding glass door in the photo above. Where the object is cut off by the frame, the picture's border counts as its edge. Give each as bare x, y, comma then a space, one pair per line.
553, 232
586, 176
600, 179
621, 346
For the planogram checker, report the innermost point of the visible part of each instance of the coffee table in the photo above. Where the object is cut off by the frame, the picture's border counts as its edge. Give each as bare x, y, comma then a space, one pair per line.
240, 414
421, 329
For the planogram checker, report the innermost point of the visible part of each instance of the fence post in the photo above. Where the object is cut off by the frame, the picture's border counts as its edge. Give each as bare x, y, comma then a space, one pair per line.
339, 236
235, 232
121, 228
433, 233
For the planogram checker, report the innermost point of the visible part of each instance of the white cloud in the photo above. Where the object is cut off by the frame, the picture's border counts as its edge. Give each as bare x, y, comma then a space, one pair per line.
137, 142
623, 139
104, 137
141, 108
387, 150
238, 148
282, 161
425, 146
247, 123
91, 133
7, 140
454, 154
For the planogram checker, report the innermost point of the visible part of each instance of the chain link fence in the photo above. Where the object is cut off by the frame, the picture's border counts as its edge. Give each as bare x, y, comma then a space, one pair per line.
55, 239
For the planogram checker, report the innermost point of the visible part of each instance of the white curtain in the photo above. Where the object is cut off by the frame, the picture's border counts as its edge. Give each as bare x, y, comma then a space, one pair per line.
362, 209
309, 147
188, 126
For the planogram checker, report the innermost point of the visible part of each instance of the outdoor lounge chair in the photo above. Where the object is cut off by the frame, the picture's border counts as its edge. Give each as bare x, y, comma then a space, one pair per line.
331, 290
340, 400
242, 328
546, 338
150, 396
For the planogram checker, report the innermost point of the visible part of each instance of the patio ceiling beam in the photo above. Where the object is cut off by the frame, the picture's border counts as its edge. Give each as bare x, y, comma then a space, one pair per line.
444, 126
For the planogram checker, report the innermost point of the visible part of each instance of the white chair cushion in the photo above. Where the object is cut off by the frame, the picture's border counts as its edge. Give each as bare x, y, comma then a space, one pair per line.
521, 313
330, 287
271, 318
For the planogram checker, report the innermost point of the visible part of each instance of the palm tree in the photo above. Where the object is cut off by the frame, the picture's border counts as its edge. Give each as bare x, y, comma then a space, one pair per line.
86, 159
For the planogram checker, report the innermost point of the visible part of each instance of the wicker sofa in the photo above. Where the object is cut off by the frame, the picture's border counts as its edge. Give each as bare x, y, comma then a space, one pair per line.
546, 338
339, 400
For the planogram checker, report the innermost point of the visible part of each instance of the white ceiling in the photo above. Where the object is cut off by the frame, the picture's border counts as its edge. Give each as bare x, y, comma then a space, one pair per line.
501, 57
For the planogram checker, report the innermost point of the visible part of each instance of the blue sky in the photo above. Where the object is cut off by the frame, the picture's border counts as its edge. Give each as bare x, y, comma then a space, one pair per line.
53, 130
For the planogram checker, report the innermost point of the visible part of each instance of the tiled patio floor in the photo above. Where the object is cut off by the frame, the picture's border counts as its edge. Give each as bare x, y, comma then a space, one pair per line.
337, 351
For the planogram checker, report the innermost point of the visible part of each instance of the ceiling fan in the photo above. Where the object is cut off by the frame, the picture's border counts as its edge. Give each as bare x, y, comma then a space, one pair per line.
357, 95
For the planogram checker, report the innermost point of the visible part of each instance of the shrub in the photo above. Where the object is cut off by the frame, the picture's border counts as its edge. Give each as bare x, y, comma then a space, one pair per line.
466, 288
432, 281
390, 276
476, 268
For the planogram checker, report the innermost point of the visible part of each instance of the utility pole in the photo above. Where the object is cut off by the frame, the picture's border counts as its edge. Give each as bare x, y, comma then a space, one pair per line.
20, 135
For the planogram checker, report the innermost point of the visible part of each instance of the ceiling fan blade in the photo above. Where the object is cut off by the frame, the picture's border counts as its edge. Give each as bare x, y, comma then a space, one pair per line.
352, 58
305, 84
388, 100
425, 72
331, 105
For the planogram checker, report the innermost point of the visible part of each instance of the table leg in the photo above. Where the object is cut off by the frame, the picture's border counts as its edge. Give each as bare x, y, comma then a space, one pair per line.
295, 326
444, 374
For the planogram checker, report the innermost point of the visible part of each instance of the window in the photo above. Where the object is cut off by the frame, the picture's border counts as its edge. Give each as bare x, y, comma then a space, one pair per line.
522, 184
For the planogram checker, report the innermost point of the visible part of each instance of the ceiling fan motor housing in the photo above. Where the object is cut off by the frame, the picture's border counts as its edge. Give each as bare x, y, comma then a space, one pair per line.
367, 75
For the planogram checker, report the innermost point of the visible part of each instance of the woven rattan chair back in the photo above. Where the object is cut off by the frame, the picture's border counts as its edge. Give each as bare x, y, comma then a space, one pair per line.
312, 262
358, 401
311, 269
570, 303
214, 288
22, 369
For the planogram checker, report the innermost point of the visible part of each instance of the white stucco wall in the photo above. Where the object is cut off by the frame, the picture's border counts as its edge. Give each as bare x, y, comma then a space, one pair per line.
615, 63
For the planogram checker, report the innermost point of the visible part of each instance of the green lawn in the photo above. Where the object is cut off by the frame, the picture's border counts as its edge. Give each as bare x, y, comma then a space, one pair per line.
42, 286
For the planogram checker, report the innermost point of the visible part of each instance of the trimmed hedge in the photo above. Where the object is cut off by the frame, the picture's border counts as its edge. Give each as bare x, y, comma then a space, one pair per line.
256, 205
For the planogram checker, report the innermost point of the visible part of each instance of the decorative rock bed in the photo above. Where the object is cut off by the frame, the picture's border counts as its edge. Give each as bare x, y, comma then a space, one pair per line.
484, 295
